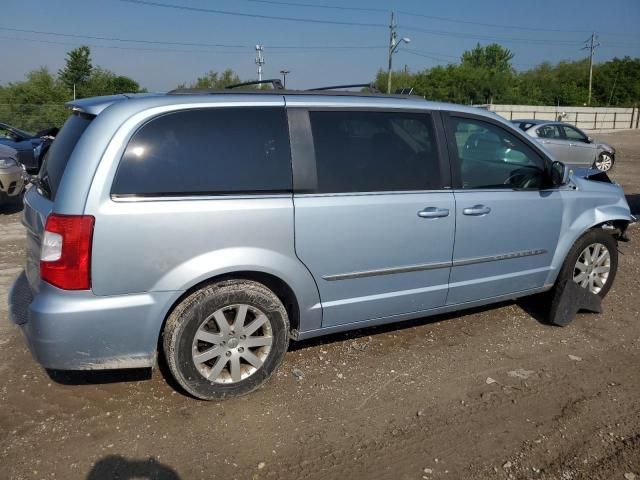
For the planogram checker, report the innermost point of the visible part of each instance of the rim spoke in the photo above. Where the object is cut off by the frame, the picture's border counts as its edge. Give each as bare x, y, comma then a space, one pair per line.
241, 315
208, 337
252, 342
234, 366
598, 281
585, 282
580, 278
222, 323
255, 325
604, 256
581, 266
595, 253
217, 368
250, 357
208, 354
602, 269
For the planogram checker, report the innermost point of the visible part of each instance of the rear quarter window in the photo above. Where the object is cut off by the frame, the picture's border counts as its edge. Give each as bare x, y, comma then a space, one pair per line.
208, 151
55, 161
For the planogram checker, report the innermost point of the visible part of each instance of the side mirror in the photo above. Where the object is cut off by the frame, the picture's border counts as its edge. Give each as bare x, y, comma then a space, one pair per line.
589, 140
559, 174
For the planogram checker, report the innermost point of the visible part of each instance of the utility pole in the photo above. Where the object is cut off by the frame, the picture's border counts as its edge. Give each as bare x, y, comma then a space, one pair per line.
259, 60
591, 45
392, 44
284, 77
393, 47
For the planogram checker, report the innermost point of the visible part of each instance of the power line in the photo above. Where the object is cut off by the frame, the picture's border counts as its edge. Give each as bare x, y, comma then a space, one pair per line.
491, 37
190, 44
345, 23
254, 15
432, 17
315, 5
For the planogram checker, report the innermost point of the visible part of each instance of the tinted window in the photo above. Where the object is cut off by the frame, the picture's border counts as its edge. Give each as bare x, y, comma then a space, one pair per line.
573, 134
208, 151
57, 156
374, 151
491, 157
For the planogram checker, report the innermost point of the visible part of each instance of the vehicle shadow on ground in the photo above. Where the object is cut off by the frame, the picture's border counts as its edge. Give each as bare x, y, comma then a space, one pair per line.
99, 377
117, 466
10, 207
534, 306
634, 203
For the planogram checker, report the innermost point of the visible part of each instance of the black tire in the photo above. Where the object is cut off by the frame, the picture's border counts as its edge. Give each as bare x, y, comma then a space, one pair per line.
596, 235
187, 318
601, 158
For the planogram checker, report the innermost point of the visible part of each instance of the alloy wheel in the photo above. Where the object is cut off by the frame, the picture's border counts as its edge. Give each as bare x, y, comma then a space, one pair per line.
604, 162
592, 268
232, 344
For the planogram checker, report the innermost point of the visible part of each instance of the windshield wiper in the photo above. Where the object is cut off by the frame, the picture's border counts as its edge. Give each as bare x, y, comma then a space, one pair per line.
41, 184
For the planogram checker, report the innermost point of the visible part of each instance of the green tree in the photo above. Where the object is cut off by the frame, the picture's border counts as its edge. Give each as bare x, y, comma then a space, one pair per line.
36, 103
213, 79
78, 67
493, 57
105, 82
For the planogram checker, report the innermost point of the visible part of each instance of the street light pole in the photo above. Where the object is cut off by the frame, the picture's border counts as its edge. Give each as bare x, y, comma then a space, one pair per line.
284, 77
392, 44
393, 48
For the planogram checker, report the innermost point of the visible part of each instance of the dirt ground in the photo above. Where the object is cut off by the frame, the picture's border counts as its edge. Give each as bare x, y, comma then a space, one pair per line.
488, 393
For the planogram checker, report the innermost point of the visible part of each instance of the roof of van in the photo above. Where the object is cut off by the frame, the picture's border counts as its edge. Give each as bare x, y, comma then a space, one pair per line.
328, 98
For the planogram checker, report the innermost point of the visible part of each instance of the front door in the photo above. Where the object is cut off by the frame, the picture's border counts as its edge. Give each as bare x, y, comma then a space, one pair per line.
507, 221
583, 152
375, 226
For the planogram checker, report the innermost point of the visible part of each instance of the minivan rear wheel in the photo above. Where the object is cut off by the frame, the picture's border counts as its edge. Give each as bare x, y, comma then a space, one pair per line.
226, 339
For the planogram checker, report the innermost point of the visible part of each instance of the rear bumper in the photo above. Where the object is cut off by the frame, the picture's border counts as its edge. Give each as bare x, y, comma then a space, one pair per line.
81, 331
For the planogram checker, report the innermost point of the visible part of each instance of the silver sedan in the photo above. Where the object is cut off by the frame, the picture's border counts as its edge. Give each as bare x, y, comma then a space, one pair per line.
569, 144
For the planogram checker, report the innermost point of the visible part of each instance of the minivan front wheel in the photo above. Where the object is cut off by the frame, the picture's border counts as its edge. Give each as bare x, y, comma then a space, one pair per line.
226, 339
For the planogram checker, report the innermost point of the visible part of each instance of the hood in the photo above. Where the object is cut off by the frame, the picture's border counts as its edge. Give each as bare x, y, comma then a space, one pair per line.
8, 152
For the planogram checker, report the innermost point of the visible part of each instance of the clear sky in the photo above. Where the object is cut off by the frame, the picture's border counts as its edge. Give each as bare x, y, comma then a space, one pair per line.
534, 30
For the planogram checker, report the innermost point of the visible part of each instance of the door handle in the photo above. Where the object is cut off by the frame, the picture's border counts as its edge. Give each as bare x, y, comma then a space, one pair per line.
476, 210
545, 141
433, 212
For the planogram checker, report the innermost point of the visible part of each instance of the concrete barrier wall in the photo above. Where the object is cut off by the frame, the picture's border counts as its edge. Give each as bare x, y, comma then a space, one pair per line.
587, 118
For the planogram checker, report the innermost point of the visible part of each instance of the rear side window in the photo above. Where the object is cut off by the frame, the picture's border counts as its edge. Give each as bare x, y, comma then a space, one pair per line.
57, 156
374, 151
208, 151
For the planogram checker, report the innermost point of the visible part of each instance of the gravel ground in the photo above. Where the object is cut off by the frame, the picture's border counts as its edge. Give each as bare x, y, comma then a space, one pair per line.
486, 393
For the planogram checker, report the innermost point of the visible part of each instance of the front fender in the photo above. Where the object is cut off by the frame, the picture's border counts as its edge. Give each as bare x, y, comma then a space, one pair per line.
249, 259
582, 213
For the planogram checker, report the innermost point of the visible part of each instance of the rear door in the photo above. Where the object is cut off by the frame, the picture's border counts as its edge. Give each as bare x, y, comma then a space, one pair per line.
553, 139
374, 217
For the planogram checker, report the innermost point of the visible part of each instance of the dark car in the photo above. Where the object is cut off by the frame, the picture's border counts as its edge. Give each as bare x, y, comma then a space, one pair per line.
24, 142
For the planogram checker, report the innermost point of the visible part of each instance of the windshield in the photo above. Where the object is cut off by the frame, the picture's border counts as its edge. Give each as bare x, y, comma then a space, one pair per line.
56, 158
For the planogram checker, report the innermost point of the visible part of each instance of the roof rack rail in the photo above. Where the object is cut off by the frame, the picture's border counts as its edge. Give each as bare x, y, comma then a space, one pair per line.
371, 86
276, 83
404, 91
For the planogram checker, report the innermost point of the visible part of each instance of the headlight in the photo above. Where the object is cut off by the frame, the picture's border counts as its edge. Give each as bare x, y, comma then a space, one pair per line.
8, 162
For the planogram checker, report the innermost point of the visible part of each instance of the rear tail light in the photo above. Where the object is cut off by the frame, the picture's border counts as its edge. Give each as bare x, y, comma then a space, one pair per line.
65, 257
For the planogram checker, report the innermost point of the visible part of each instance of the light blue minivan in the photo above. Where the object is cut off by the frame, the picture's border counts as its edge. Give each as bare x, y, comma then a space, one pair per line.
213, 227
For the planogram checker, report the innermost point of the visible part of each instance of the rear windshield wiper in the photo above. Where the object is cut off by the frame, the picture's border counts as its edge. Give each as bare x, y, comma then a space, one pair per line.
41, 184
